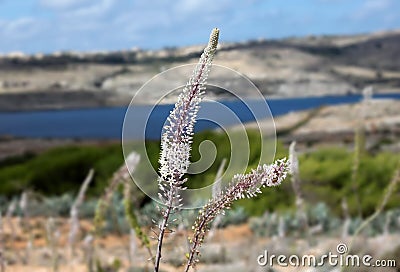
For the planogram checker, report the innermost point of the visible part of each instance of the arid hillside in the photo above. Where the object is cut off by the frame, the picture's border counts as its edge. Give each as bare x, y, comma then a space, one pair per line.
309, 66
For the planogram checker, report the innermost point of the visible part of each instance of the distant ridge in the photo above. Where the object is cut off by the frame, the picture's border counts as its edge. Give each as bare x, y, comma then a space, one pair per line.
290, 67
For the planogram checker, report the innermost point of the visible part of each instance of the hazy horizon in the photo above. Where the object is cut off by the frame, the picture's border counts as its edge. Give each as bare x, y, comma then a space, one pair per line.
88, 51
46, 26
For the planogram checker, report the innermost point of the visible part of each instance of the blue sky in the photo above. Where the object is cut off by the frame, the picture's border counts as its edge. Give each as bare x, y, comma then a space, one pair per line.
33, 26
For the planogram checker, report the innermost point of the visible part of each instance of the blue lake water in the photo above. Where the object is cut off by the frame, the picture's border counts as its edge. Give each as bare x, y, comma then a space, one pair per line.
106, 123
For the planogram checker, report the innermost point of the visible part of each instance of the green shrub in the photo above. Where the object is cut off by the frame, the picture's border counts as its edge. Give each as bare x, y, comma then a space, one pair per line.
234, 217
61, 170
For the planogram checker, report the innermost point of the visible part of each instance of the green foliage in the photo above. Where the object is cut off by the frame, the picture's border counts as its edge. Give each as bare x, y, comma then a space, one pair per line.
325, 173
53, 206
148, 213
16, 159
61, 170
277, 198
322, 216
234, 217
222, 143
266, 225
59, 205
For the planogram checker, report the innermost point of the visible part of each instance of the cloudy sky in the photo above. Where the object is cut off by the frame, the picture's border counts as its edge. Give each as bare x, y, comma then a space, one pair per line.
46, 26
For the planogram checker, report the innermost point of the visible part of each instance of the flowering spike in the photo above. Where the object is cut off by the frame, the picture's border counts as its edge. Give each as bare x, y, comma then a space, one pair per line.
178, 130
242, 185
177, 139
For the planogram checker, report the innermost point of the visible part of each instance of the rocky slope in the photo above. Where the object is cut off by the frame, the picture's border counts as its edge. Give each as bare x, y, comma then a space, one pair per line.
377, 119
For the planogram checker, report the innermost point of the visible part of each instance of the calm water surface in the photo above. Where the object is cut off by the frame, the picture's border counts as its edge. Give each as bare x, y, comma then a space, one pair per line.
106, 123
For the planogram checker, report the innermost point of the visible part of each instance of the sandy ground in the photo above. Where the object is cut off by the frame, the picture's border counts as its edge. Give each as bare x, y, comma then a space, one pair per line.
234, 248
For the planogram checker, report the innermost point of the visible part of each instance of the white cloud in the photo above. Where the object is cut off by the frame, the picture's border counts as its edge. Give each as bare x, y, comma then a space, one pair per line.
101, 24
190, 6
95, 9
21, 28
76, 18
20, 34
200, 8
117, 24
79, 8
62, 4
372, 7
377, 4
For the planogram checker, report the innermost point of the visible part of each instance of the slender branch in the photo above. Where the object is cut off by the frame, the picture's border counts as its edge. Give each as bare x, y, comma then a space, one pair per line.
388, 193
163, 227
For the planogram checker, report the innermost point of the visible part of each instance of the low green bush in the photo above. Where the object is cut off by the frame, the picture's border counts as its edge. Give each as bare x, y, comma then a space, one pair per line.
61, 170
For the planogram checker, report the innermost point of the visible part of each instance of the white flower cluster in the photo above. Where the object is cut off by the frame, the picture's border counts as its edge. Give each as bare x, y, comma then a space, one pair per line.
177, 139
266, 175
242, 185
178, 130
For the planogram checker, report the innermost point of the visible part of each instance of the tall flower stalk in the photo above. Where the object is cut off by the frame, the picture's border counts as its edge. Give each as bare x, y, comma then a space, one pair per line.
177, 139
174, 163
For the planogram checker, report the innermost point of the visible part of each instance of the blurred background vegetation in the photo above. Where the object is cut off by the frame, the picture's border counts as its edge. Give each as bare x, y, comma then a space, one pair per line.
326, 173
